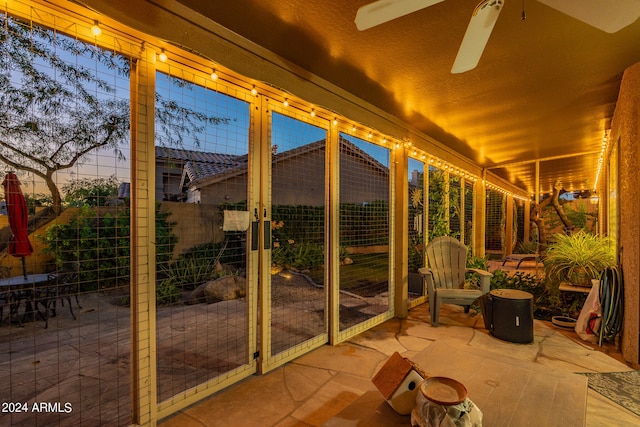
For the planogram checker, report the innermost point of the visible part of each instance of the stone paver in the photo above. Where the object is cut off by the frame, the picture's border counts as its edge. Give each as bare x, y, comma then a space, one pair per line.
337, 376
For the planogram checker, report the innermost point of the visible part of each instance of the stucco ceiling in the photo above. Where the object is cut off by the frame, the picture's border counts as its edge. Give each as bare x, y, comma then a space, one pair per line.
545, 88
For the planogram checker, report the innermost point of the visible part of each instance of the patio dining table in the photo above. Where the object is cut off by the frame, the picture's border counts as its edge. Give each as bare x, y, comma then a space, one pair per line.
14, 290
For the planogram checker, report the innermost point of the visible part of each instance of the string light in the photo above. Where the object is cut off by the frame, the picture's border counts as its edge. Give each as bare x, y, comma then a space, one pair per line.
313, 112
603, 150
214, 75
95, 29
163, 56
286, 102
335, 121
254, 91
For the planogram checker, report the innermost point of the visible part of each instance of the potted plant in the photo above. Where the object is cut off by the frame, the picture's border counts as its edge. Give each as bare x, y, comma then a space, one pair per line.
578, 258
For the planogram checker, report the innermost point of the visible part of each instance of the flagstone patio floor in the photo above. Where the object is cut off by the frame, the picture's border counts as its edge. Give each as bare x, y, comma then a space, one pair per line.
314, 388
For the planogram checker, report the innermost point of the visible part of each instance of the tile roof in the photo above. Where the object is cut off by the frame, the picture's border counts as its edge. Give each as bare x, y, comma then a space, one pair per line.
205, 168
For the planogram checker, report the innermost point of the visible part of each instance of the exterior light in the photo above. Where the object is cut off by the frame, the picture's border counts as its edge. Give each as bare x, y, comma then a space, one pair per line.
214, 75
254, 91
313, 112
594, 199
162, 56
95, 29
286, 102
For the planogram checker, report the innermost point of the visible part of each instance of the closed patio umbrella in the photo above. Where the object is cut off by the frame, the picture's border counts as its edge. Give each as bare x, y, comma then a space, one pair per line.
19, 245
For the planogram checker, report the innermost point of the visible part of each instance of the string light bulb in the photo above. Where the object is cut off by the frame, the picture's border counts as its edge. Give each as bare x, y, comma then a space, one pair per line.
313, 112
214, 75
95, 29
335, 121
286, 102
162, 56
254, 91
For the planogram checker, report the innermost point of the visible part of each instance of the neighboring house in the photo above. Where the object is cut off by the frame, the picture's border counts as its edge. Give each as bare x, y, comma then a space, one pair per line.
170, 165
224, 178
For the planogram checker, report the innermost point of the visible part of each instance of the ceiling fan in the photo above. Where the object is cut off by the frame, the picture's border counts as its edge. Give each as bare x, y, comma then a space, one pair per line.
606, 15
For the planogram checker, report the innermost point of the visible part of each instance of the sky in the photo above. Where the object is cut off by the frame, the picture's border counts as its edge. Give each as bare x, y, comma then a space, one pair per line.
230, 137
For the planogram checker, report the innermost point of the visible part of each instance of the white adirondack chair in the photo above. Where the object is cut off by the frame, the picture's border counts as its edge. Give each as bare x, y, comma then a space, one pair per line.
444, 278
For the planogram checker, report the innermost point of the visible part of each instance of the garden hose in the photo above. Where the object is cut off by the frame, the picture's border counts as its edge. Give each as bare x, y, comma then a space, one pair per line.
611, 302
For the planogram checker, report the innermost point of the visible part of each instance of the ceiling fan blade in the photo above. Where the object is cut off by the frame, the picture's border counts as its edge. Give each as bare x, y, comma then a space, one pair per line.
606, 15
382, 11
477, 35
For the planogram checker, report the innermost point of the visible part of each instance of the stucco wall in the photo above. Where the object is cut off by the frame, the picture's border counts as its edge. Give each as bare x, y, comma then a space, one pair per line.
37, 262
625, 130
195, 224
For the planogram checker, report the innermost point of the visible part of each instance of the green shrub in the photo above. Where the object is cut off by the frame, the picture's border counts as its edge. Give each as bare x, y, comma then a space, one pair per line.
298, 255
474, 261
577, 217
90, 191
99, 242
547, 301
416, 256
167, 293
186, 271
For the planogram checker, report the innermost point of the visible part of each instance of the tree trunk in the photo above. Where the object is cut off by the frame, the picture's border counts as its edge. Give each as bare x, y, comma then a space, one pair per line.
56, 198
537, 218
563, 216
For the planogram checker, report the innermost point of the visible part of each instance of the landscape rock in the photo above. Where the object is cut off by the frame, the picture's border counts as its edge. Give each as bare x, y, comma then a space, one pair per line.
224, 289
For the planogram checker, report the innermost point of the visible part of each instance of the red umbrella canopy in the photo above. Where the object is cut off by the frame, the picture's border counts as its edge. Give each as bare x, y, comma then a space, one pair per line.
19, 245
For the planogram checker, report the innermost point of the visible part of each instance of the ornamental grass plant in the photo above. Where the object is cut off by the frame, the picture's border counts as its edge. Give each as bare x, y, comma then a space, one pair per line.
578, 258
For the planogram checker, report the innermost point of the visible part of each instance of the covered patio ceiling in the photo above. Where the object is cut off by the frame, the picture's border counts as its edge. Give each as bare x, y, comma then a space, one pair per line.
545, 88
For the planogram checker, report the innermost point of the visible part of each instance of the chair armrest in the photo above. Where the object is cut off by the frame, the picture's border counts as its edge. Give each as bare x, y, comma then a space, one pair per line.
485, 279
480, 272
427, 276
424, 270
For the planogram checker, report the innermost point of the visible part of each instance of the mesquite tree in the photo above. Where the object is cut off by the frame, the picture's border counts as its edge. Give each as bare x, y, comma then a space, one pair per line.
56, 108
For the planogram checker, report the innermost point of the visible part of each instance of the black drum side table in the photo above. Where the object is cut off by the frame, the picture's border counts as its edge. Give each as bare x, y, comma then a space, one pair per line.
508, 315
